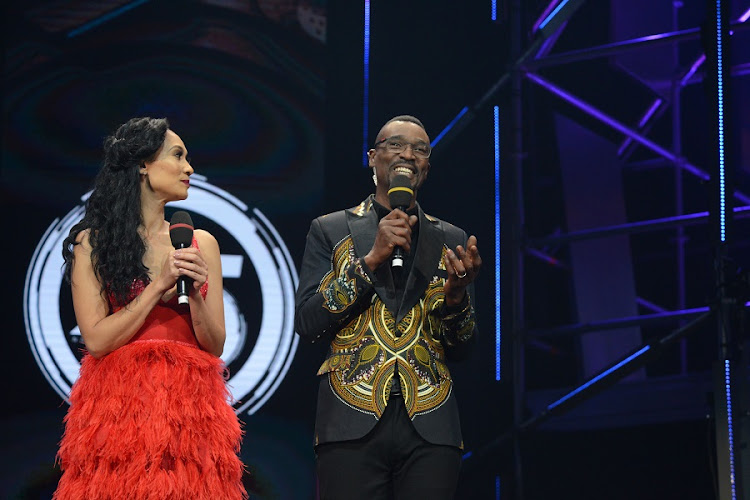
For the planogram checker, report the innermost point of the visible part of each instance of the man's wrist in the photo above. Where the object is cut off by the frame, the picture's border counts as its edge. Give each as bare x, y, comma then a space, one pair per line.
453, 304
370, 262
456, 303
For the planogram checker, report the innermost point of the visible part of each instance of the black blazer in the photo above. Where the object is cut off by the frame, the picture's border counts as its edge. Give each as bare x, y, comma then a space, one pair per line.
341, 301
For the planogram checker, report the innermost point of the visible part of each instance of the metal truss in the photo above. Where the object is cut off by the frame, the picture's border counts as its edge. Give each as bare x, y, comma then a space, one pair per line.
525, 64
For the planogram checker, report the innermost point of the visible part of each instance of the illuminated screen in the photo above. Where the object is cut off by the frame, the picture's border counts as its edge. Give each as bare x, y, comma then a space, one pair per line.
243, 84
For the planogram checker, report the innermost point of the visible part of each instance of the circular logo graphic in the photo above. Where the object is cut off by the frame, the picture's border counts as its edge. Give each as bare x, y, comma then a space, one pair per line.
259, 286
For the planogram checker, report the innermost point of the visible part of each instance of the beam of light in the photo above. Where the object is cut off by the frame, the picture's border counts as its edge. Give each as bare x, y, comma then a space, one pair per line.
720, 110
689, 74
730, 426
545, 15
449, 126
598, 377
693, 68
641, 123
603, 117
497, 487
106, 17
366, 87
498, 315
494, 10
650, 112
649, 305
554, 13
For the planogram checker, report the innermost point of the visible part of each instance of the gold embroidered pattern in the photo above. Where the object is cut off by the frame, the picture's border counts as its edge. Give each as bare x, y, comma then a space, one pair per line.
361, 359
338, 289
339, 294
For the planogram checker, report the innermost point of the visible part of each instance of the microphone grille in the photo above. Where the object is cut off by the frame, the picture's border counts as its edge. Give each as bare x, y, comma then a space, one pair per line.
181, 229
400, 193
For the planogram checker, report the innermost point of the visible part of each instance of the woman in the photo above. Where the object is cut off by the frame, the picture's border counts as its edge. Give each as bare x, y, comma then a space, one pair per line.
148, 416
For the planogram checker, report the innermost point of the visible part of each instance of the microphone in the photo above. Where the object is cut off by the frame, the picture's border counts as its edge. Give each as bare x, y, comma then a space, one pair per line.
181, 234
399, 196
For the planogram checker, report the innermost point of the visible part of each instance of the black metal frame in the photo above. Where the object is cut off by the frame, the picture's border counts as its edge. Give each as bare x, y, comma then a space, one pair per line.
728, 306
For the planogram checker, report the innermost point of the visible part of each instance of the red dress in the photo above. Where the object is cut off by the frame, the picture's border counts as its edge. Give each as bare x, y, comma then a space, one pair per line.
152, 419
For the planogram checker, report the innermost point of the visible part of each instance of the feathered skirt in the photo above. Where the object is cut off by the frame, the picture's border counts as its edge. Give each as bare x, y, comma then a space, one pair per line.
151, 420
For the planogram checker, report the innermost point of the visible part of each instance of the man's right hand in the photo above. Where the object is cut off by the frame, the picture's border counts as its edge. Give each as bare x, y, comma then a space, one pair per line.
394, 230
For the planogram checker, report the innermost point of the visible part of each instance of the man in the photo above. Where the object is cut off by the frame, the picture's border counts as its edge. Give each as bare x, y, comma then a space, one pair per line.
387, 420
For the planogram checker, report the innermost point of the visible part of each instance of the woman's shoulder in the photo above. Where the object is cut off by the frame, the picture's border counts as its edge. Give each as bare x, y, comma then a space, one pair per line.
82, 240
205, 239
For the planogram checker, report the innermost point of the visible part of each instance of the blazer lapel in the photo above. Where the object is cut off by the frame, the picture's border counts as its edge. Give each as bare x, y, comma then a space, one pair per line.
363, 226
426, 260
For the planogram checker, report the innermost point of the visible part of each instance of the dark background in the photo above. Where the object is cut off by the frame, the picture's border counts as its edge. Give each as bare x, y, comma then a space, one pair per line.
272, 112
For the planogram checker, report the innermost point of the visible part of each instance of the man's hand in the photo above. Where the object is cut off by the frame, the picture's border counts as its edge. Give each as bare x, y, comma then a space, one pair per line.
394, 230
463, 267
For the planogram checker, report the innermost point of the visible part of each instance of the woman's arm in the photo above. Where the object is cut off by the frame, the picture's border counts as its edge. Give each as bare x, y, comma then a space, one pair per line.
207, 315
103, 332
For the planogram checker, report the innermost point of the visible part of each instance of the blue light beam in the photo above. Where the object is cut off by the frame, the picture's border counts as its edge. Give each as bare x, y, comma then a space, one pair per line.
553, 14
106, 17
728, 389
598, 378
366, 87
720, 99
449, 126
498, 314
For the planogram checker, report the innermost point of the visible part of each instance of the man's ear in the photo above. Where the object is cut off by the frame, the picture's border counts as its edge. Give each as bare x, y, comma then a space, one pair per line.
371, 158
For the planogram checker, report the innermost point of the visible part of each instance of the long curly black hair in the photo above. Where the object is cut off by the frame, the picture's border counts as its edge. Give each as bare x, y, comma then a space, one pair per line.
113, 211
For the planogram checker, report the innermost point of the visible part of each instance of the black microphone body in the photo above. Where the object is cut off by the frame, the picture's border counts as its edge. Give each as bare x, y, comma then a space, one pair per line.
397, 259
399, 196
181, 234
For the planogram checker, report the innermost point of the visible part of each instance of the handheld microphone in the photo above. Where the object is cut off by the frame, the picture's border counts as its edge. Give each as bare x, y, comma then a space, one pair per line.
181, 234
399, 196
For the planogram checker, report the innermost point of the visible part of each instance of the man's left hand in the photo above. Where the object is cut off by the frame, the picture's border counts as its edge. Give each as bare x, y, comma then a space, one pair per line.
463, 266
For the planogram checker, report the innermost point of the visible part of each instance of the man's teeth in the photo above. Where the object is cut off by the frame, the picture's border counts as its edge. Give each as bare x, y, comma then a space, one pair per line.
403, 170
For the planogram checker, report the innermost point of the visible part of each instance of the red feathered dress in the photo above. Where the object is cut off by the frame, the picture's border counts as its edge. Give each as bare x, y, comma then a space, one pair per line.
152, 419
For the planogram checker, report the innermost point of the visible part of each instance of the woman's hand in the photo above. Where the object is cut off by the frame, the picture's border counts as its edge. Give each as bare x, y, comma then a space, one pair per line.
186, 262
189, 262
168, 275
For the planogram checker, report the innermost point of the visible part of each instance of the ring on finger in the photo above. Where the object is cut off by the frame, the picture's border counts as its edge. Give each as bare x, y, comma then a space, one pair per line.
461, 275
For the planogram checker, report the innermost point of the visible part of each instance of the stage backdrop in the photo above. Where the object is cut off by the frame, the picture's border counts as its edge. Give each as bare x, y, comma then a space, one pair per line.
243, 84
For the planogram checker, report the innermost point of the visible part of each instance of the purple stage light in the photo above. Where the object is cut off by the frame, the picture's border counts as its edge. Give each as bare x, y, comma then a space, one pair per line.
641, 123
650, 112
693, 68
603, 117
624, 129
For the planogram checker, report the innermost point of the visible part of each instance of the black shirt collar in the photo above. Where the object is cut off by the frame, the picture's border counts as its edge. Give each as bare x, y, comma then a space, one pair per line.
383, 211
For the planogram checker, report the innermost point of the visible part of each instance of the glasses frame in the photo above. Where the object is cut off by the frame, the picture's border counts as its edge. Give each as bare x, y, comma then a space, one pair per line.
405, 143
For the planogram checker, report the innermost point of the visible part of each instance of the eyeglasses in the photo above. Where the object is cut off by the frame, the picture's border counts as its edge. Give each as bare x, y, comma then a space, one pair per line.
397, 145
